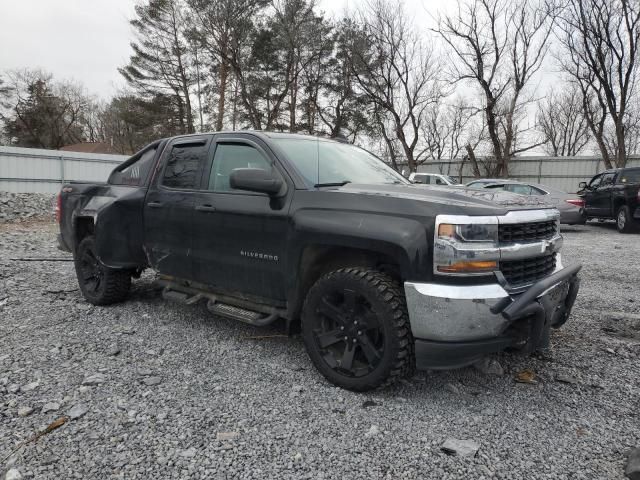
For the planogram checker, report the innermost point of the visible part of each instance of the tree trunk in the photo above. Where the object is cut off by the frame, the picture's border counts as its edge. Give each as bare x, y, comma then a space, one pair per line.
621, 153
474, 161
293, 96
224, 75
495, 140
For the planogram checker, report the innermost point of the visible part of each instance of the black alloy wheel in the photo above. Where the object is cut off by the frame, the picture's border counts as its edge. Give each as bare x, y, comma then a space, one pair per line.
99, 284
356, 329
348, 334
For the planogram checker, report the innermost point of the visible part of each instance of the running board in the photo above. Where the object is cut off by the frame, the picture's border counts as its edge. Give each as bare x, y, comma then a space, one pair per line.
189, 296
180, 297
241, 314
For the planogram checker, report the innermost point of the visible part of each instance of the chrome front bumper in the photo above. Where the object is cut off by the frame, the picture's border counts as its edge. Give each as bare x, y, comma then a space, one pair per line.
448, 313
462, 323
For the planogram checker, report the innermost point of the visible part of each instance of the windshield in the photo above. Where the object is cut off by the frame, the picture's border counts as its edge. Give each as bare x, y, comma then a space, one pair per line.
451, 179
324, 162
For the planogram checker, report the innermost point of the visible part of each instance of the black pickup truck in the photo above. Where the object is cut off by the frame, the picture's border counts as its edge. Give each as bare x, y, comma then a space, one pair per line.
379, 276
614, 194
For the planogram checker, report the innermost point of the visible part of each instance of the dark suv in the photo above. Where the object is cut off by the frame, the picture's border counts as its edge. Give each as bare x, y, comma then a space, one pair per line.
614, 194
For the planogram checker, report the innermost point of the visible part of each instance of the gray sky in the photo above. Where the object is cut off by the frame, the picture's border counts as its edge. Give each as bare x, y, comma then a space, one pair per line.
87, 40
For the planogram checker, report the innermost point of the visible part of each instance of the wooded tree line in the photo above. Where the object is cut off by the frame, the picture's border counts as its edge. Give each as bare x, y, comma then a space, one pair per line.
476, 85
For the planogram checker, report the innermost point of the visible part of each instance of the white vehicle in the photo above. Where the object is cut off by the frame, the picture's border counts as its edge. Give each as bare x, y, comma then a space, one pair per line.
432, 179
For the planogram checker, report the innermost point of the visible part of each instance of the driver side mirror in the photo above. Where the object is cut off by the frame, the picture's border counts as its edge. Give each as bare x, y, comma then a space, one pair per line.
582, 185
255, 180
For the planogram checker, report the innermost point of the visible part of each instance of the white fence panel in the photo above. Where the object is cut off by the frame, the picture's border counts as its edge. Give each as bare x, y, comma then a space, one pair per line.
32, 170
43, 171
564, 173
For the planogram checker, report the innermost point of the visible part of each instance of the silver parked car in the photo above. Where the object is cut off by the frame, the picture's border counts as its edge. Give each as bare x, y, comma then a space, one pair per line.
571, 207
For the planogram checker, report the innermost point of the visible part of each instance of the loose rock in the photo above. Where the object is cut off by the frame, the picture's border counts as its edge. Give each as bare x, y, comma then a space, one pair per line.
13, 474
50, 407
25, 411
77, 411
461, 448
95, 379
373, 431
632, 470
489, 366
150, 381
29, 387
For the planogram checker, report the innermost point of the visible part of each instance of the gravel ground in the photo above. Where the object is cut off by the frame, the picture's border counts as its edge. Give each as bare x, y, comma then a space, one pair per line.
169, 391
19, 207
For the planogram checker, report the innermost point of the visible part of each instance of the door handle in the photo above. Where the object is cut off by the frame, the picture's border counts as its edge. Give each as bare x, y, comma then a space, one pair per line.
155, 204
205, 208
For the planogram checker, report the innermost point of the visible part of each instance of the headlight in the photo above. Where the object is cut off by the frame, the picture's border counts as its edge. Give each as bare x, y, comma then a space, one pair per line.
471, 232
466, 247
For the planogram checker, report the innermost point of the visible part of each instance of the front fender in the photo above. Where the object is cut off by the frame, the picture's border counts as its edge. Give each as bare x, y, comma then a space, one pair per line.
405, 240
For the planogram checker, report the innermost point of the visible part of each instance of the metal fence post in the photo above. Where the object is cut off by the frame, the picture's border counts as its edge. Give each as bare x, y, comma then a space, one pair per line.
540, 171
62, 170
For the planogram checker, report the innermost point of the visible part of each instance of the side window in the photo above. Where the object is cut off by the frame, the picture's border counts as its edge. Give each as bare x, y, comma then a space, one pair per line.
228, 157
537, 191
607, 179
439, 181
520, 189
419, 179
136, 173
595, 181
184, 166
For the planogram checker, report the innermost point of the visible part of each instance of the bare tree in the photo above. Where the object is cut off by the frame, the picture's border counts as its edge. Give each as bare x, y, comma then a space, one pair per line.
397, 71
446, 129
562, 122
600, 42
44, 113
499, 46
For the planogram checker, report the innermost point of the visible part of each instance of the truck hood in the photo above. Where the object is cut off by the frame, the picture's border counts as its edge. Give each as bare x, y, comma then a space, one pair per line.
458, 196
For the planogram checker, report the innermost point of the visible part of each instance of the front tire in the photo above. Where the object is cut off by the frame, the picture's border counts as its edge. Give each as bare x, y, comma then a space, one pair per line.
624, 220
100, 285
356, 329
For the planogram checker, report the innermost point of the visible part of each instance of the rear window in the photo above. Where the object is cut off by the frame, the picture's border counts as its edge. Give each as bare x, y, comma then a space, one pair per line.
136, 173
184, 166
630, 175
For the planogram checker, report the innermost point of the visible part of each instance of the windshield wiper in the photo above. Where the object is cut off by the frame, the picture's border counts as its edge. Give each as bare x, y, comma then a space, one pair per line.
332, 184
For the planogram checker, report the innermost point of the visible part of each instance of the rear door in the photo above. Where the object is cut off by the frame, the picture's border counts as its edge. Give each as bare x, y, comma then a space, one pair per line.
168, 207
239, 237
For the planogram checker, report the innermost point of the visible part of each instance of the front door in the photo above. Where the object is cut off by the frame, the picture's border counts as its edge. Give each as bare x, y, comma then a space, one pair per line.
239, 238
168, 207
590, 205
602, 196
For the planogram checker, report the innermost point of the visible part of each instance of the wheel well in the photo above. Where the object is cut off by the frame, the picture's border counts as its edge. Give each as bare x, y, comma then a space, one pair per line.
617, 204
317, 260
84, 228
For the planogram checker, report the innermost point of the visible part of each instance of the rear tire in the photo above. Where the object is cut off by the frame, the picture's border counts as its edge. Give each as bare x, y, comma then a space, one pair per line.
356, 329
624, 221
100, 285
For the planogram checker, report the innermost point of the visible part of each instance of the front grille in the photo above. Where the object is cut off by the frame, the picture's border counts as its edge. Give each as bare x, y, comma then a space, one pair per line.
525, 232
528, 270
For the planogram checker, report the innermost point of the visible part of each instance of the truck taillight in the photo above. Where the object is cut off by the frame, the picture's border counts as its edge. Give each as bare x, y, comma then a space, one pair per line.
578, 202
58, 209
